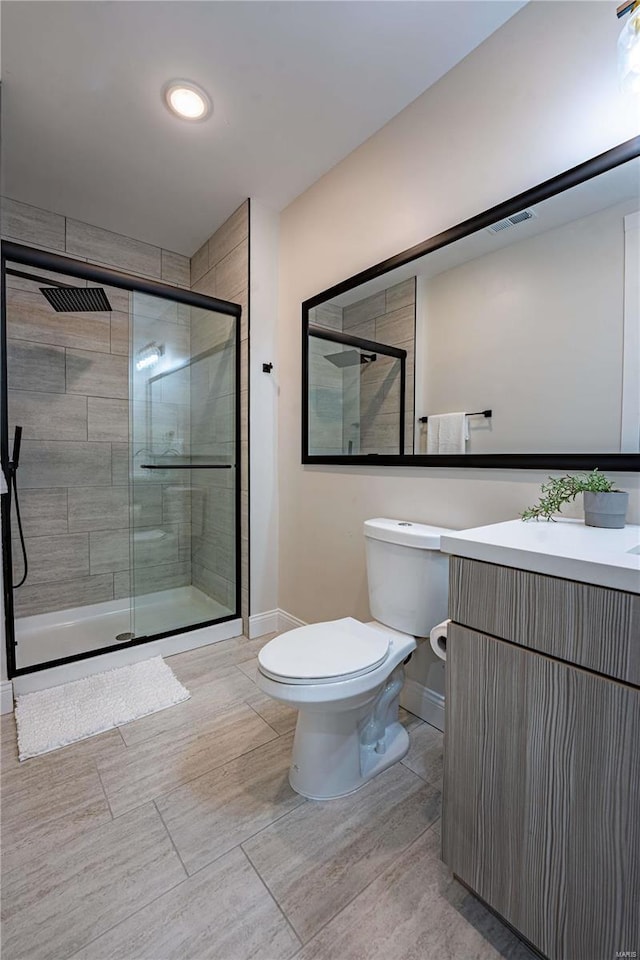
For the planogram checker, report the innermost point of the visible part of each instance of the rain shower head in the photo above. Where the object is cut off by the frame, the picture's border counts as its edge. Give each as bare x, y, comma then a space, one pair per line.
77, 299
350, 358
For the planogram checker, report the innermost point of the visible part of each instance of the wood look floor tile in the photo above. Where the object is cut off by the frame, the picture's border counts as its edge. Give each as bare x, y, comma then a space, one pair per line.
7, 731
278, 715
249, 668
415, 910
53, 905
225, 686
210, 815
166, 761
323, 854
103, 746
222, 913
425, 753
409, 720
195, 666
358, 878
46, 803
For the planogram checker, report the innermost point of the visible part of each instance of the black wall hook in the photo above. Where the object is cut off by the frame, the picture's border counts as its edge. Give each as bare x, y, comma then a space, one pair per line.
267, 367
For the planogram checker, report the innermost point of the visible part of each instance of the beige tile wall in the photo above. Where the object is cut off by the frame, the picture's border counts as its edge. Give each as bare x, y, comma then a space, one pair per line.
220, 268
70, 415
50, 231
68, 387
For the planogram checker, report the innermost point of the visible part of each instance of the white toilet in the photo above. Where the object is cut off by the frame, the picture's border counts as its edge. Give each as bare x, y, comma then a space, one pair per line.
344, 676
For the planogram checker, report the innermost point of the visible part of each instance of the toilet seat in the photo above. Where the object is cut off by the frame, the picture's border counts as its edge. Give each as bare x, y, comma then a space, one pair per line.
325, 652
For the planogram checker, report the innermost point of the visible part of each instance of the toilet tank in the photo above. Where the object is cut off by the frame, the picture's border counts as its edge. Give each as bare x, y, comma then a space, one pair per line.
408, 576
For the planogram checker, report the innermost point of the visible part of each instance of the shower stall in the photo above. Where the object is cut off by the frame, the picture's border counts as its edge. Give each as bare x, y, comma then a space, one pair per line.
120, 447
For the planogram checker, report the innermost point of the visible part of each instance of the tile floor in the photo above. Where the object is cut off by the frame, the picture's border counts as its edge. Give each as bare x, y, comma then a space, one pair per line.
178, 836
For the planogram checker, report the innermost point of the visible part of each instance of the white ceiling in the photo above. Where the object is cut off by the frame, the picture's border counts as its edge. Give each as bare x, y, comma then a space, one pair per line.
296, 86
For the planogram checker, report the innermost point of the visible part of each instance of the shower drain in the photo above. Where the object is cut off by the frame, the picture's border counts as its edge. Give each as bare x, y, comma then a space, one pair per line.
121, 637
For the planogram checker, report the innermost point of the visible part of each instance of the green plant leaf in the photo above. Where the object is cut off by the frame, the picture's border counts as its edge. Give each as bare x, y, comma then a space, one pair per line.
557, 491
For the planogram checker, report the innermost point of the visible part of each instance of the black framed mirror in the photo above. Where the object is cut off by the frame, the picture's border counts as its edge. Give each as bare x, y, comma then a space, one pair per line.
509, 340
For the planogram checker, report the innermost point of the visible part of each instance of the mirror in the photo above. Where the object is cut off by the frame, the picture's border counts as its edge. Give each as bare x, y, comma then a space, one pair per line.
523, 322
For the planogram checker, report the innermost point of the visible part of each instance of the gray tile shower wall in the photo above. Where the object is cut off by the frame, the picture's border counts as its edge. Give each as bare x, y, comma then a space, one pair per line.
30, 225
220, 268
331, 398
68, 387
388, 317
50, 231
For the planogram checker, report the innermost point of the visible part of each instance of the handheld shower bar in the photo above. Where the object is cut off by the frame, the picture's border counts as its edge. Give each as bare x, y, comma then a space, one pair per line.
10, 470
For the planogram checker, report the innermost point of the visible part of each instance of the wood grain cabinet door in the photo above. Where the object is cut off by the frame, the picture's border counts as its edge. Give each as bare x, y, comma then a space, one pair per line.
542, 795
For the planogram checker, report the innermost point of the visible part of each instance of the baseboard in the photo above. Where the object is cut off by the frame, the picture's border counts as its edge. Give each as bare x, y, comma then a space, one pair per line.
261, 623
6, 696
286, 621
272, 621
423, 703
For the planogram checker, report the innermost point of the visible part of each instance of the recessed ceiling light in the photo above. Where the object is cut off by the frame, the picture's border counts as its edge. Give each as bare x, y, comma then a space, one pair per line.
187, 100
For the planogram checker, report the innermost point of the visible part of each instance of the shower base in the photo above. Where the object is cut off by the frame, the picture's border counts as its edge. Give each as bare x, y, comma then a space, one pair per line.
89, 629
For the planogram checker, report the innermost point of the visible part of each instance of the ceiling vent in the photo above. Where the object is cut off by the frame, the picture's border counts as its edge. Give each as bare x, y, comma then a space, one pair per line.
511, 221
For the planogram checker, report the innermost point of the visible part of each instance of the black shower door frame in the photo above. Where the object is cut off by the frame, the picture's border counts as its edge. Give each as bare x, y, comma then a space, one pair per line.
18, 253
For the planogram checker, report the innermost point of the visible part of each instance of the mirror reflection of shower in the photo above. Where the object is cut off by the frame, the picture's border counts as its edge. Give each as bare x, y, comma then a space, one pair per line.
361, 373
350, 358
357, 394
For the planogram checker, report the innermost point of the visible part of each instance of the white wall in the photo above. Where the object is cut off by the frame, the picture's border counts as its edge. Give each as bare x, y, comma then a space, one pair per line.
630, 432
536, 98
263, 403
534, 332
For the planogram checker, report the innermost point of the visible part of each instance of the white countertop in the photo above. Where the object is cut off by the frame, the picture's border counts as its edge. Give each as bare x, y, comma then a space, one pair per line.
562, 548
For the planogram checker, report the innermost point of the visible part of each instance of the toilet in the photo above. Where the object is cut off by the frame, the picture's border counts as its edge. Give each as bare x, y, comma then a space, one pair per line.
344, 676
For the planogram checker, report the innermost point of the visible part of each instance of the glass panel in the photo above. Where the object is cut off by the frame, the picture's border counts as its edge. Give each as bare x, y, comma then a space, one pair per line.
67, 388
355, 402
182, 465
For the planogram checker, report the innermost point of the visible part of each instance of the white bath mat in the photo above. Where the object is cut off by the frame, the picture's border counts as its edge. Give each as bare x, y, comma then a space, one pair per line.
49, 719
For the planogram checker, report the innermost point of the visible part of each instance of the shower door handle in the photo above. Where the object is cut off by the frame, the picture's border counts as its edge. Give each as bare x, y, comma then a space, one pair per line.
187, 466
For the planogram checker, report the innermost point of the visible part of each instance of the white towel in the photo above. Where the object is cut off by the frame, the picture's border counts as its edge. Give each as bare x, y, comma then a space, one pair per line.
447, 433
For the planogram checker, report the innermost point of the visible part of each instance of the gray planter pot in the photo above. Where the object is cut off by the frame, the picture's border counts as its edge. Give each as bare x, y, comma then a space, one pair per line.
605, 509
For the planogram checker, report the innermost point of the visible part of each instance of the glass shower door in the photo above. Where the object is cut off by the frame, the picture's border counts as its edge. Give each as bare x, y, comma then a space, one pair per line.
183, 466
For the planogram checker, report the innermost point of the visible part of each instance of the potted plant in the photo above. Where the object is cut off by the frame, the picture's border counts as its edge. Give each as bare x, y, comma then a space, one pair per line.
604, 506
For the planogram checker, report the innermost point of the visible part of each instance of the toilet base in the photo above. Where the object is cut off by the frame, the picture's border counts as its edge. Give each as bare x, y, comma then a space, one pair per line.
329, 761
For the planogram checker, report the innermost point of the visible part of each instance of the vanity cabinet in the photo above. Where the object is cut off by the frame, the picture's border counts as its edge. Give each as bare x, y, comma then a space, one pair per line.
542, 756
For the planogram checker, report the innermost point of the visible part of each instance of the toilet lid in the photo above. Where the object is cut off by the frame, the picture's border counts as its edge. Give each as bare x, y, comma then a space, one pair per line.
324, 652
